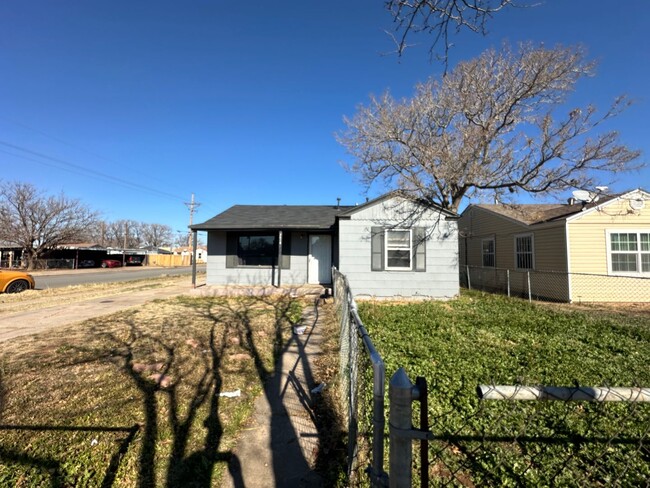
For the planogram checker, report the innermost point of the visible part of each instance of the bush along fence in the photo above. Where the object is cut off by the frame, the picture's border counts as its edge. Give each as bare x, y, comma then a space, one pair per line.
556, 286
509, 435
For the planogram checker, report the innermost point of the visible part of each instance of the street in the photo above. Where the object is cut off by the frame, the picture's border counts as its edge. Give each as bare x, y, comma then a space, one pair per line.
60, 279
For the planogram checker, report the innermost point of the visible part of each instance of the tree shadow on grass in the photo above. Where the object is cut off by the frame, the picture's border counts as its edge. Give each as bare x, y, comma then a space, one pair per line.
165, 382
180, 385
289, 369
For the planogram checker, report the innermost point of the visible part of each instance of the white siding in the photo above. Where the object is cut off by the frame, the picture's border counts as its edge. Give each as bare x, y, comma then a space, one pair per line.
440, 280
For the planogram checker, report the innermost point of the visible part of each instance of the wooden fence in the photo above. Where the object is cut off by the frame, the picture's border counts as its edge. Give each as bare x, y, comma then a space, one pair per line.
168, 260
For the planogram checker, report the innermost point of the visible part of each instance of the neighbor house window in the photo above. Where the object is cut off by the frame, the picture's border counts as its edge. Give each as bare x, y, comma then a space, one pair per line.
524, 251
256, 250
629, 252
488, 253
398, 248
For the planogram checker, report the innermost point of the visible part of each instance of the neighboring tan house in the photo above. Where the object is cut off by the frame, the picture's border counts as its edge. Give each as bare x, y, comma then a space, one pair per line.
201, 252
590, 251
387, 247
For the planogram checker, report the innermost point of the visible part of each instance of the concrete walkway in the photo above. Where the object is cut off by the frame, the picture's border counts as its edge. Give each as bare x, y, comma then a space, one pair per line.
280, 446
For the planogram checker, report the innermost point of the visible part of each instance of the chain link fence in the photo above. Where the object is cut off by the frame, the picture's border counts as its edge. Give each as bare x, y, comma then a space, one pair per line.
544, 436
485, 435
363, 387
39, 264
555, 286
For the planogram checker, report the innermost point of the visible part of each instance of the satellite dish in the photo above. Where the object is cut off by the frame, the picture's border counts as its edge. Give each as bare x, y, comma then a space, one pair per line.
637, 203
582, 195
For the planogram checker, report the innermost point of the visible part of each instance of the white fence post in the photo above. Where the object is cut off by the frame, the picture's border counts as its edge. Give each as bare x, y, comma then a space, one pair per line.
530, 295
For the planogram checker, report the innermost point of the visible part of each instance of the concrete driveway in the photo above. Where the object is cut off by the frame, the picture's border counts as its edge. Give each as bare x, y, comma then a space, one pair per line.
36, 321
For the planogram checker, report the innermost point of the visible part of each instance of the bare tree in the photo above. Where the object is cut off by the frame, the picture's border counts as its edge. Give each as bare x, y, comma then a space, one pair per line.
182, 239
156, 235
138, 234
38, 223
494, 124
123, 233
441, 18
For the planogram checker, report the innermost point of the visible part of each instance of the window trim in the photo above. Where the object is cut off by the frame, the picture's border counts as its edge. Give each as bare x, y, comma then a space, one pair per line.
408, 248
638, 253
532, 250
493, 253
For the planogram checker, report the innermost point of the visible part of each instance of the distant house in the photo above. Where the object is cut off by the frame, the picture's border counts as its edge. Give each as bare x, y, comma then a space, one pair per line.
201, 252
387, 247
579, 251
10, 254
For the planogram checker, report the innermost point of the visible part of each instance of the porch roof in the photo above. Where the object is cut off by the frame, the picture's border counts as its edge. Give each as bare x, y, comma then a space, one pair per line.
266, 217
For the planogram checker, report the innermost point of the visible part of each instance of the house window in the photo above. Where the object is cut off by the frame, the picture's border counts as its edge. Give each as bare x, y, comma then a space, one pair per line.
524, 251
629, 252
487, 246
256, 250
398, 249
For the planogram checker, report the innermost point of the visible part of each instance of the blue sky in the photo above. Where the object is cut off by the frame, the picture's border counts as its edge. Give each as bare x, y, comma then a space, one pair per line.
132, 106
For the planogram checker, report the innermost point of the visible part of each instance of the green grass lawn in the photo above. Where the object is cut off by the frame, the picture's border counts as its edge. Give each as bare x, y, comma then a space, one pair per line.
491, 339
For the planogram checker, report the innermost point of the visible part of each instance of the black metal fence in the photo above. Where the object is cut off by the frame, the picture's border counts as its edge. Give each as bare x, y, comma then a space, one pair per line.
528, 436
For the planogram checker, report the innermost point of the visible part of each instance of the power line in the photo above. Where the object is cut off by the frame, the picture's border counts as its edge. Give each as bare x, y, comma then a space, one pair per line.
75, 168
74, 146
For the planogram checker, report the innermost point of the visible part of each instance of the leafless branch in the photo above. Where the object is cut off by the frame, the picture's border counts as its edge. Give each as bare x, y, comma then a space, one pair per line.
441, 19
493, 124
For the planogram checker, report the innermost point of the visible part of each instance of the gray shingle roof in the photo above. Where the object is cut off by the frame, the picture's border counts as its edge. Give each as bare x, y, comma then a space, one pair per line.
251, 217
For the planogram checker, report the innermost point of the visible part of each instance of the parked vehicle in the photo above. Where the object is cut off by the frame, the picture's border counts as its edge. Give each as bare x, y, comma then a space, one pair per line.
16, 281
111, 263
87, 263
134, 261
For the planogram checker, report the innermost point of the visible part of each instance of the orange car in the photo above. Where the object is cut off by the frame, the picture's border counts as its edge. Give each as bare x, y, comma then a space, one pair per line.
15, 281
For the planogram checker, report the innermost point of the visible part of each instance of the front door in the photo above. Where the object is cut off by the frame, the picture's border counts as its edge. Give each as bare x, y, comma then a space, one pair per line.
320, 259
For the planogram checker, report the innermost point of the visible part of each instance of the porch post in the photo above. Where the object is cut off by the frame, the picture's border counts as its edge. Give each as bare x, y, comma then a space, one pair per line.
279, 258
193, 257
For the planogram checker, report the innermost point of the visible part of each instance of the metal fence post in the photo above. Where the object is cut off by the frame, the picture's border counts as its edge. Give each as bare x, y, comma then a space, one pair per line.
400, 394
469, 284
508, 280
530, 294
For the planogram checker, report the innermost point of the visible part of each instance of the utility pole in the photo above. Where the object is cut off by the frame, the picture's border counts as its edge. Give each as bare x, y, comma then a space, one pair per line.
192, 205
126, 232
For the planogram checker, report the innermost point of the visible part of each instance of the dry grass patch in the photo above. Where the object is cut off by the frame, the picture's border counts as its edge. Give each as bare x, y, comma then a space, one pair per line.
36, 299
331, 461
133, 399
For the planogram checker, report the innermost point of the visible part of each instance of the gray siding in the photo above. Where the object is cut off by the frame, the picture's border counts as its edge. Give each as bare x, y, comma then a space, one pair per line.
440, 280
218, 274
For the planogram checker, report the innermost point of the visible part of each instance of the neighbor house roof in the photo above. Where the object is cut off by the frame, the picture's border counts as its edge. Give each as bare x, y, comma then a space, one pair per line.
246, 217
80, 245
537, 213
